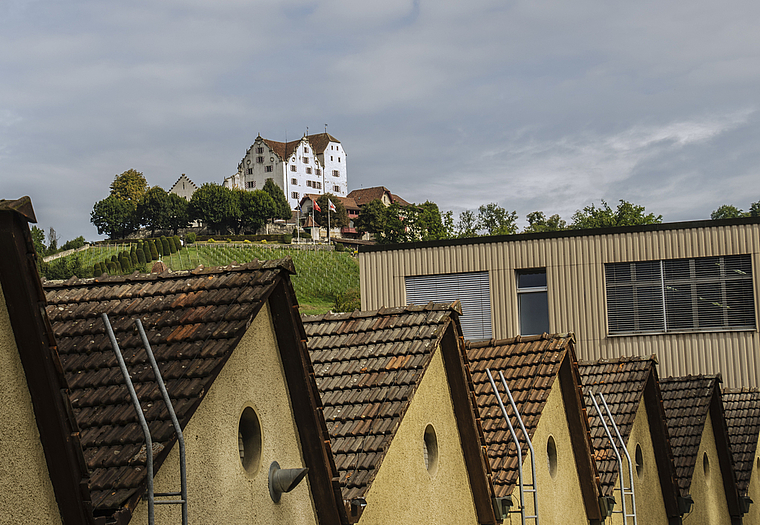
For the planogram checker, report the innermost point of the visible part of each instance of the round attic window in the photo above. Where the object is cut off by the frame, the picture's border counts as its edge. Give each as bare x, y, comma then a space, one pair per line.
249, 440
639, 461
551, 456
430, 451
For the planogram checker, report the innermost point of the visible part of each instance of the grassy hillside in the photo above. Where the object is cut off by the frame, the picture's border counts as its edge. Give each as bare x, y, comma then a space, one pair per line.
321, 275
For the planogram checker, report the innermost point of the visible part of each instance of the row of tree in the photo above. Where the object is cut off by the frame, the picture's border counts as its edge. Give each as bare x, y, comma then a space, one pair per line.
132, 204
423, 222
728, 211
138, 256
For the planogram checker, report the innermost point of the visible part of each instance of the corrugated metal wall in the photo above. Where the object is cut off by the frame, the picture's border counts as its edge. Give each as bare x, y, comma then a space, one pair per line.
576, 290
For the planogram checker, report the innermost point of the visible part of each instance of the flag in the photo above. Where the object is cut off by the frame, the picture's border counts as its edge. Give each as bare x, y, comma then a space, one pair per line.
332, 206
316, 207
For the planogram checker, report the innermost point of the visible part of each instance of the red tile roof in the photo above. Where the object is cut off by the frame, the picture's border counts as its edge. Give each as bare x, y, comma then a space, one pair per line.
194, 321
687, 403
742, 409
363, 196
531, 366
368, 366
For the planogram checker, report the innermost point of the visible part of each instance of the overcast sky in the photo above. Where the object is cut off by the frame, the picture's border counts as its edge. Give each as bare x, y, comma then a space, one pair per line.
535, 105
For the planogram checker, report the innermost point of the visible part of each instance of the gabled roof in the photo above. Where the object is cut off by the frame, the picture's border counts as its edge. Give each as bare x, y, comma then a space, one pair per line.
626, 382
363, 196
687, 403
186, 178
193, 320
398, 200
531, 366
742, 410
25, 301
320, 141
688, 400
368, 366
284, 150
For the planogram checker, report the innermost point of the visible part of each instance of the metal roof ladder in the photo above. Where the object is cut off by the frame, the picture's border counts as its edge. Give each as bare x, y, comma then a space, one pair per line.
529, 488
624, 492
144, 424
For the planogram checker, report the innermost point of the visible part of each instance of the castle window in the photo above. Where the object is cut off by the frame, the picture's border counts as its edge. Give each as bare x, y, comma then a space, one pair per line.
250, 184
336, 188
294, 195
268, 169
308, 171
318, 185
260, 160
318, 171
294, 182
338, 159
293, 167
336, 173
305, 149
250, 171
260, 150
306, 160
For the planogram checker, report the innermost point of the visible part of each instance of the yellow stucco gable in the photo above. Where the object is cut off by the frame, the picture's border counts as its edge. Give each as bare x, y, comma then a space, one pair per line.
442, 495
560, 499
26, 493
220, 489
707, 490
650, 506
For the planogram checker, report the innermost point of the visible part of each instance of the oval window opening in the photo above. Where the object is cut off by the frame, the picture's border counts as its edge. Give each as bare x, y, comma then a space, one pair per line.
551, 456
706, 466
430, 452
249, 440
639, 461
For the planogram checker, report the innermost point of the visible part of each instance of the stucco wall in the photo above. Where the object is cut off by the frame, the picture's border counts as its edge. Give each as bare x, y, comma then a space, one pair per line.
560, 500
404, 492
650, 506
710, 507
753, 491
220, 490
26, 493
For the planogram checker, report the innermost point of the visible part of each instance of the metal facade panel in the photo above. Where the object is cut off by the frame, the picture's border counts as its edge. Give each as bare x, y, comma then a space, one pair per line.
577, 290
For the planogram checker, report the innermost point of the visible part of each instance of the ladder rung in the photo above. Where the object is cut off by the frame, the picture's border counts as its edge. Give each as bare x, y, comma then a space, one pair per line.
167, 493
169, 502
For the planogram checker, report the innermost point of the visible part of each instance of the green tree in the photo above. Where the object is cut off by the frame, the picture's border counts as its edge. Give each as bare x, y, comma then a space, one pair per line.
114, 217
153, 250
424, 222
216, 206
754, 209
38, 239
256, 208
537, 222
178, 213
73, 243
130, 186
372, 217
338, 218
728, 211
281, 207
153, 209
467, 225
52, 241
495, 220
626, 214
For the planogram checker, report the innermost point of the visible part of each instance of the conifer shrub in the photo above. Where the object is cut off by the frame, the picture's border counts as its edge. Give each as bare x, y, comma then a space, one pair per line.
153, 250
140, 255
190, 237
178, 242
172, 245
165, 245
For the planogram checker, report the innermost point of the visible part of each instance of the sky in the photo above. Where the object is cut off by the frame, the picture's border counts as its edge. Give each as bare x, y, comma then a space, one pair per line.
534, 105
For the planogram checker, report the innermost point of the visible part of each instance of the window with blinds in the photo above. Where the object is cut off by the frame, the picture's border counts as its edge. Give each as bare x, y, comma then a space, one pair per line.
680, 295
472, 289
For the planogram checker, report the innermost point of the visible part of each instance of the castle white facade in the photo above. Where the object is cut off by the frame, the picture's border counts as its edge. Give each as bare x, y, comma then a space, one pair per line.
314, 164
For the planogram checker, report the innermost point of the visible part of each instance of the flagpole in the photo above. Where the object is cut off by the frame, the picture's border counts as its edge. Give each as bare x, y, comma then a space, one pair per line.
328, 221
313, 222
